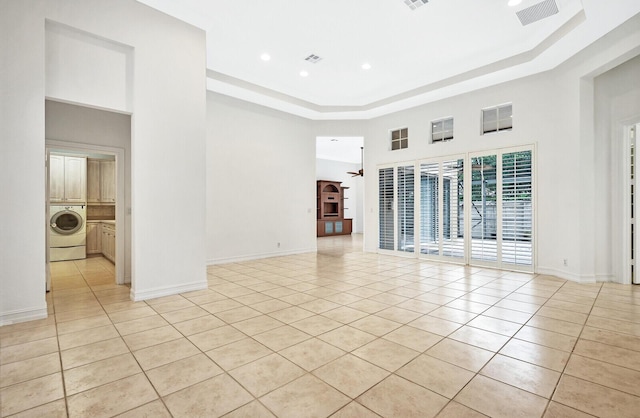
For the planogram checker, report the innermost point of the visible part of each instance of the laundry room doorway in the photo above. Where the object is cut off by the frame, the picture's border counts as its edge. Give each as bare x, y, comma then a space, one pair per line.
87, 192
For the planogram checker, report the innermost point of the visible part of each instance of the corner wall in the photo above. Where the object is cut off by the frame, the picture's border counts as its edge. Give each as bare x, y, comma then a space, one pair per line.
260, 182
167, 151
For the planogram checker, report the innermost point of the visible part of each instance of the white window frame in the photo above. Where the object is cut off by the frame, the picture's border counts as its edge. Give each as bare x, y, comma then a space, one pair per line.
499, 118
400, 138
442, 132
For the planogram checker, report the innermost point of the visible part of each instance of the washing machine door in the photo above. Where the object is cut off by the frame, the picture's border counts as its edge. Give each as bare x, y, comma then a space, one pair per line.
66, 222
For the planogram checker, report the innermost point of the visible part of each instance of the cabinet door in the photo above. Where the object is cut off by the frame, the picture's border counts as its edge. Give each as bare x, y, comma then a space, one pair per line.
328, 228
93, 181
94, 238
75, 179
108, 181
105, 242
56, 178
112, 246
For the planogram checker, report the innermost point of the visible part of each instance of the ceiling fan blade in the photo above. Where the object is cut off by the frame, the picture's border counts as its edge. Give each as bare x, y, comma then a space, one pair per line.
361, 171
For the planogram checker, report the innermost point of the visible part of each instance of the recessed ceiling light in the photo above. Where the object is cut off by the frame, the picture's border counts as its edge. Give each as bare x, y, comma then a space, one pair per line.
265, 57
366, 66
513, 3
303, 73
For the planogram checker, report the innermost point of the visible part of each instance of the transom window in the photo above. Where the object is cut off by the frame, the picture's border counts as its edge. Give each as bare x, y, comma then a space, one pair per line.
497, 118
442, 130
400, 138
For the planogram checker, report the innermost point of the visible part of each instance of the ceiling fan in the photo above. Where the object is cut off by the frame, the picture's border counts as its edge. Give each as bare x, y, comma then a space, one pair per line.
361, 171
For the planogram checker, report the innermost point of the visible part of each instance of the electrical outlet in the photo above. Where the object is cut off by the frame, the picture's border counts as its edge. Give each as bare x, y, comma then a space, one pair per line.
278, 245
565, 262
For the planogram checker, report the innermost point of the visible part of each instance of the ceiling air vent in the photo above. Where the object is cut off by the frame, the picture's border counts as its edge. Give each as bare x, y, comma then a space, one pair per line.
313, 59
414, 4
537, 12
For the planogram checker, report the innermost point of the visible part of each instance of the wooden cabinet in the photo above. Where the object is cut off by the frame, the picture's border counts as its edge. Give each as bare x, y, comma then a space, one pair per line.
93, 181
330, 209
67, 179
101, 181
108, 181
94, 238
101, 239
334, 227
109, 242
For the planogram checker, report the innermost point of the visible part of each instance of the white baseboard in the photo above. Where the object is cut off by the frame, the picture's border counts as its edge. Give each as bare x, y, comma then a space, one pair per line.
578, 278
250, 257
22, 315
167, 291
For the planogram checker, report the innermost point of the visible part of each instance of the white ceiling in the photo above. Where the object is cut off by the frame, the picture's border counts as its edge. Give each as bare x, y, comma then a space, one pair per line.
443, 48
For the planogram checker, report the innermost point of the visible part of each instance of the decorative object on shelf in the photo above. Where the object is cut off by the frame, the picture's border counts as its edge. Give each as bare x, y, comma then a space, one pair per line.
330, 209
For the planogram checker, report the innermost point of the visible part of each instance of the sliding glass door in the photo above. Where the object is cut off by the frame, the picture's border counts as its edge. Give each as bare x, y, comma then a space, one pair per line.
477, 209
442, 209
502, 209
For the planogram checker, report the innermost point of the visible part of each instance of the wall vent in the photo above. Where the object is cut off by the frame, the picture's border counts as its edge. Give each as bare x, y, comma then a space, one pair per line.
313, 59
414, 4
537, 12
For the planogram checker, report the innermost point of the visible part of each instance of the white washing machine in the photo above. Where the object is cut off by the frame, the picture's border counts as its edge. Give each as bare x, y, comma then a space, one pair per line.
67, 232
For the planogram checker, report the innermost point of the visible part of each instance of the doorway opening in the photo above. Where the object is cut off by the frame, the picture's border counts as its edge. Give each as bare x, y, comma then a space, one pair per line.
79, 224
97, 145
340, 159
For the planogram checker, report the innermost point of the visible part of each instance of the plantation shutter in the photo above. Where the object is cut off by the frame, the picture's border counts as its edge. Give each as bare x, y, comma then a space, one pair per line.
429, 208
484, 214
406, 208
385, 201
517, 212
453, 208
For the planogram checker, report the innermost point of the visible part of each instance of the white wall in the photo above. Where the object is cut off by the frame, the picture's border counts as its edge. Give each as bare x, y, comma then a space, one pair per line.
22, 244
83, 125
337, 171
260, 182
167, 146
102, 77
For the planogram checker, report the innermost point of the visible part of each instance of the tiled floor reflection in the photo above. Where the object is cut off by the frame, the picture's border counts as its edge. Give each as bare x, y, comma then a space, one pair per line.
339, 333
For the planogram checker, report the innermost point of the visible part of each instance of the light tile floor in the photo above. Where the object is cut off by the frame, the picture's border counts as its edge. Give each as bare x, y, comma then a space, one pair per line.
339, 333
